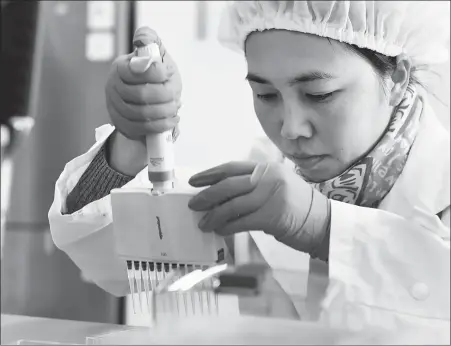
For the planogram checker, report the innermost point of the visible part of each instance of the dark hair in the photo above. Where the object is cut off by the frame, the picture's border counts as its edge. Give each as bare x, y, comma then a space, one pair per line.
382, 64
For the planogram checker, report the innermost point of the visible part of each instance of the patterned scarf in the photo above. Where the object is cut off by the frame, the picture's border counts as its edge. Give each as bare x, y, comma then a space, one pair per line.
370, 179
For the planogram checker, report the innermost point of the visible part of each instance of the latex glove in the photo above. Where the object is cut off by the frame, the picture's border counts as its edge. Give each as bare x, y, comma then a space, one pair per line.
269, 197
144, 103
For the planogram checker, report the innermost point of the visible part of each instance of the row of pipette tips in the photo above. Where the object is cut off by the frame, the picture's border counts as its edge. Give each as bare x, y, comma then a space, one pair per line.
149, 277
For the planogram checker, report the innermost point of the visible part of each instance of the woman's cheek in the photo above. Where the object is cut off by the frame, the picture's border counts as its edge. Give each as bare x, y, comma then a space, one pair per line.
269, 123
266, 113
338, 131
271, 127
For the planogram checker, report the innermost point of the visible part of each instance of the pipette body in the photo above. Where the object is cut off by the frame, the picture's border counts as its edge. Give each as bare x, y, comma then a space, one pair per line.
160, 147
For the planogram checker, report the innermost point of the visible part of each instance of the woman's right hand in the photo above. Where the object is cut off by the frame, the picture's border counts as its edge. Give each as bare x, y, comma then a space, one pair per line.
141, 104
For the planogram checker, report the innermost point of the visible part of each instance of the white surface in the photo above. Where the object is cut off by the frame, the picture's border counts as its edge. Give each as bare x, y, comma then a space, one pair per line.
211, 331
161, 228
247, 330
100, 46
101, 15
50, 331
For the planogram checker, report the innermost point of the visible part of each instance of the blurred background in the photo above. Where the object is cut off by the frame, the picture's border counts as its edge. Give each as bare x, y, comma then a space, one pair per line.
71, 45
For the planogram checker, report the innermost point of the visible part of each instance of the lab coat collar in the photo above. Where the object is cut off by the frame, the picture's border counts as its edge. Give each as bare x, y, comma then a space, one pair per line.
424, 185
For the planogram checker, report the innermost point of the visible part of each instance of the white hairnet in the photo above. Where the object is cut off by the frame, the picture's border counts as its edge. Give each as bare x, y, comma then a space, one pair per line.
420, 29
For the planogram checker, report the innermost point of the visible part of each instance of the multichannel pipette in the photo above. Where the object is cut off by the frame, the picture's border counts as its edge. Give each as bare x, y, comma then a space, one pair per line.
155, 232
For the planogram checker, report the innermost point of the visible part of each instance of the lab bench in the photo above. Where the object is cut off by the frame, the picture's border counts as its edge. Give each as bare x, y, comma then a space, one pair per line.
246, 331
15, 328
25, 330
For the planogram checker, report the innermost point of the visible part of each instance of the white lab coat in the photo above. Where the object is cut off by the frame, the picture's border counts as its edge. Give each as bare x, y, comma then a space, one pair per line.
388, 267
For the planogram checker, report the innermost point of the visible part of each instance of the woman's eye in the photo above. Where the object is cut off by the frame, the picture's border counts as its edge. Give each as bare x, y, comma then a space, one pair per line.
319, 97
267, 97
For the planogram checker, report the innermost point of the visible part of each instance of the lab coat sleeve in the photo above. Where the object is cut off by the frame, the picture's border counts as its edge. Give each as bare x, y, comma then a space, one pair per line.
387, 271
86, 236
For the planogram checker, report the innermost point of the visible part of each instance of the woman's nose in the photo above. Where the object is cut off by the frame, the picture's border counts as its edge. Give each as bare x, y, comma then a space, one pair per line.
295, 123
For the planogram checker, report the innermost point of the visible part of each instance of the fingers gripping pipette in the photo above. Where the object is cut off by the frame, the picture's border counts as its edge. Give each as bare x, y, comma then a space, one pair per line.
153, 242
160, 156
160, 151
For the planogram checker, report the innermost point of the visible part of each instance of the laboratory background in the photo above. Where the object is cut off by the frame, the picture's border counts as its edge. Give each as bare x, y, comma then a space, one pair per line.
73, 44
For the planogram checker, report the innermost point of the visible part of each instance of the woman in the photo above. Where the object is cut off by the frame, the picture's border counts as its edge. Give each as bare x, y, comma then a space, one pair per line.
335, 90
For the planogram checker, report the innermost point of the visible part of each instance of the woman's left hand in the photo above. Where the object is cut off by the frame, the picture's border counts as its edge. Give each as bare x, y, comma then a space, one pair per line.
247, 196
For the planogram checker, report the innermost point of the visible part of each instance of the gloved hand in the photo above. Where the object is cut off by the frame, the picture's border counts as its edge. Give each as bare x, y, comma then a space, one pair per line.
269, 197
145, 103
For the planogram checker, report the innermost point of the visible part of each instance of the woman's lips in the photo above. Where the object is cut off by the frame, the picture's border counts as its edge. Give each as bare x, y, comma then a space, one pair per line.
308, 162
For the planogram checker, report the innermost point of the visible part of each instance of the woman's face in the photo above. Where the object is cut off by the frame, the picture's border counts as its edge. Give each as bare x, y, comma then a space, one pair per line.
322, 105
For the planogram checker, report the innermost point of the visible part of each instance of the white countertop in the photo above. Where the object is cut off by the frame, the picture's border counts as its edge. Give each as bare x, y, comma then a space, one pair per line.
16, 328
243, 330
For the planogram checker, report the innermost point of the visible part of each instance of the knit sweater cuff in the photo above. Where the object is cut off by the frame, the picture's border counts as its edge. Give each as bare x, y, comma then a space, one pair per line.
95, 183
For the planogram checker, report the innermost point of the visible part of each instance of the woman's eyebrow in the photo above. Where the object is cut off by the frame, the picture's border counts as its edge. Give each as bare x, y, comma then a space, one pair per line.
311, 76
256, 79
302, 78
